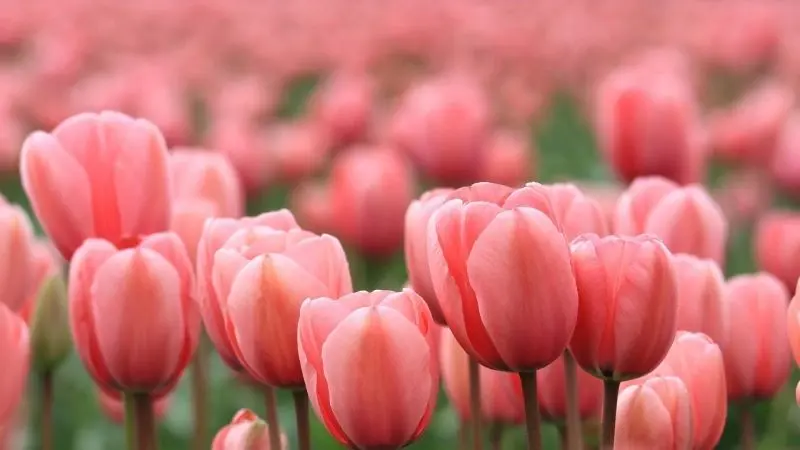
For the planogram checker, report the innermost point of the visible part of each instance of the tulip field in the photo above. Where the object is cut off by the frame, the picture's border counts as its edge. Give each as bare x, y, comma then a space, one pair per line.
297, 225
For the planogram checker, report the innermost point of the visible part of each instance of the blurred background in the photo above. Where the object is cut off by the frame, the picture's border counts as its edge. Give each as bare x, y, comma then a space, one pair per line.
344, 111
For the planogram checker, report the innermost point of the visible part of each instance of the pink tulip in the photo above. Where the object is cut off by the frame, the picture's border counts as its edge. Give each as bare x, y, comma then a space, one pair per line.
351, 350
749, 131
113, 407
498, 402
444, 125
311, 204
502, 277
744, 196
647, 122
686, 218
343, 106
17, 265
655, 415
757, 361
700, 286
370, 189
115, 171
697, 361
628, 305
777, 243
508, 160
115, 294
14, 345
260, 276
785, 166
46, 263
216, 233
245, 432
298, 150
417, 218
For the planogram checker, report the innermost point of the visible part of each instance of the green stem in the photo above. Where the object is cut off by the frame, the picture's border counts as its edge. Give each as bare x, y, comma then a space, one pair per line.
272, 417
611, 393
130, 422
47, 411
463, 435
145, 421
199, 390
748, 428
301, 415
475, 403
532, 417
574, 435
496, 431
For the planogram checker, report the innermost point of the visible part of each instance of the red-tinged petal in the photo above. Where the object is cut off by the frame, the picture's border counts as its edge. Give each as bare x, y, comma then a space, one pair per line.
188, 220
375, 357
593, 310
521, 274
15, 348
453, 231
227, 265
16, 257
58, 187
533, 195
85, 264
318, 318
136, 303
141, 177
264, 308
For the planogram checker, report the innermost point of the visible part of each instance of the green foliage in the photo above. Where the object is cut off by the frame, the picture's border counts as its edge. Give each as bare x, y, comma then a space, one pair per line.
566, 151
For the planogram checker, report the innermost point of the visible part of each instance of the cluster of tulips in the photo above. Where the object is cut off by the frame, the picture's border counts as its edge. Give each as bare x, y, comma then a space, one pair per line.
531, 302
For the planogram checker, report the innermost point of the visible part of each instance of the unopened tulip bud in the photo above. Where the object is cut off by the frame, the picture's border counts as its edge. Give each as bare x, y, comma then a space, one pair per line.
245, 432
655, 415
51, 341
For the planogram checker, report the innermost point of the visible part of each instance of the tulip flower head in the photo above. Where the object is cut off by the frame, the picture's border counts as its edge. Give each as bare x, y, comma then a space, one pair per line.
370, 367
116, 172
502, 277
133, 319
245, 432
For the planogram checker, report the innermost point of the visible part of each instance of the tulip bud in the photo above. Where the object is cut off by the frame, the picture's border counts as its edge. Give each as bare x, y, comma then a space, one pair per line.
655, 415
51, 341
245, 432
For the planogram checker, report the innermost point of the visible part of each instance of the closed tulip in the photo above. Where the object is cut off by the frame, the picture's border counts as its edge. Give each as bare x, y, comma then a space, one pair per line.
245, 432
647, 122
116, 172
370, 367
215, 233
311, 204
566, 205
262, 275
551, 384
700, 285
686, 218
498, 402
112, 405
793, 327
133, 319
655, 415
748, 132
502, 277
297, 150
14, 346
757, 361
343, 106
18, 265
416, 247
508, 159
204, 185
239, 140
777, 246
628, 305
370, 190
697, 361
784, 166
443, 124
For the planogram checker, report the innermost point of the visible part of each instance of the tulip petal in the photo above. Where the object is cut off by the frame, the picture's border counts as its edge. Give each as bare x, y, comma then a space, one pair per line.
136, 294
521, 274
85, 264
263, 308
375, 357
58, 187
324, 258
